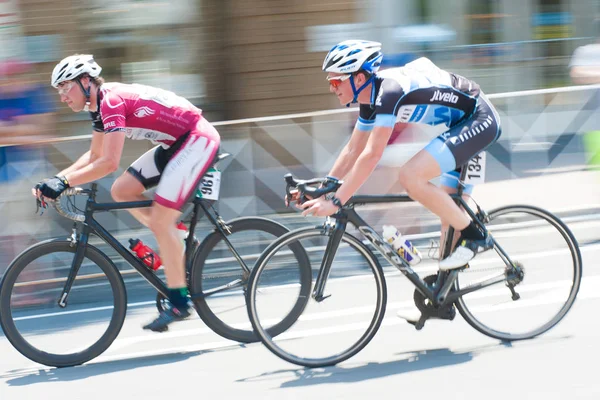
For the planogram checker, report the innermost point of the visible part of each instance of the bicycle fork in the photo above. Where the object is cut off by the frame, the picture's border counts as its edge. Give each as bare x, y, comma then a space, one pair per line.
76, 264
336, 232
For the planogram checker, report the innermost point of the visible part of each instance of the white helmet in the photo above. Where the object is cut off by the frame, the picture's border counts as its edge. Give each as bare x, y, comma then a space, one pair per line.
354, 55
74, 66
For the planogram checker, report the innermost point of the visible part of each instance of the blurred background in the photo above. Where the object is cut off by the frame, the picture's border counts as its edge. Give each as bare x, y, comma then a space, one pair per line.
239, 59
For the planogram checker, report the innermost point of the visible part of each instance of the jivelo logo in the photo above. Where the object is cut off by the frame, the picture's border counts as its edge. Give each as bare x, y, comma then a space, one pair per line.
444, 96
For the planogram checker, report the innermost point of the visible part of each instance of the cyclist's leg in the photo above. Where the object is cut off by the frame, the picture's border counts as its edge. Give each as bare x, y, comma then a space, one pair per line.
415, 176
462, 143
177, 184
446, 152
449, 184
142, 175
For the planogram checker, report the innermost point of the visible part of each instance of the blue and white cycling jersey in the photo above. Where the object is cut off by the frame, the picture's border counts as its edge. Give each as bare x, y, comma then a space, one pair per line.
419, 92
422, 93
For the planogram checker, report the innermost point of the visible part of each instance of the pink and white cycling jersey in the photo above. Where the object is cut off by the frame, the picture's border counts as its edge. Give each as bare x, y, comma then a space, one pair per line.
187, 143
144, 112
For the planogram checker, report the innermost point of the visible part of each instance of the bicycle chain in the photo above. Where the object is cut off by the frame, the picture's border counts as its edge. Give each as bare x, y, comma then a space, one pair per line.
483, 269
433, 252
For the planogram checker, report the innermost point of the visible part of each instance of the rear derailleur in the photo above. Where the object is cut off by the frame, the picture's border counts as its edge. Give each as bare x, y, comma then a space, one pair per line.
514, 275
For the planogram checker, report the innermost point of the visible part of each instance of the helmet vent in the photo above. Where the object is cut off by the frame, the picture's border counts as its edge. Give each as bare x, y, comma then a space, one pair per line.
349, 62
352, 56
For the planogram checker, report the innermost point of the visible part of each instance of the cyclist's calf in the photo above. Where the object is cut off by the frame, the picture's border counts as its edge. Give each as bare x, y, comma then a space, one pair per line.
163, 225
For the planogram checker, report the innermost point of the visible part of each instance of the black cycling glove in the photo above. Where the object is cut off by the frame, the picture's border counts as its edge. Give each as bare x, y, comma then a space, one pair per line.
53, 187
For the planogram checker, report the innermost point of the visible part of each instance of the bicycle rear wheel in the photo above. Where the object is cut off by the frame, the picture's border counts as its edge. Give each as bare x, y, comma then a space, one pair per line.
332, 329
550, 257
38, 327
218, 282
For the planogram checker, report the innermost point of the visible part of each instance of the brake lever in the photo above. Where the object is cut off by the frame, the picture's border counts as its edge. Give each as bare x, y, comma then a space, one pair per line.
290, 195
326, 187
40, 203
293, 186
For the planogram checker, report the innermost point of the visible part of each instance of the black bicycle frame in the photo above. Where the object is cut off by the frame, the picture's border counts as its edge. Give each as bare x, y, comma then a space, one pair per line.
445, 279
90, 225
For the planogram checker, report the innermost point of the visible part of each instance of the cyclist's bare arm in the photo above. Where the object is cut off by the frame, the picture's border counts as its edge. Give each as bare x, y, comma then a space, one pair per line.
350, 153
345, 160
102, 159
366, 162
94, 153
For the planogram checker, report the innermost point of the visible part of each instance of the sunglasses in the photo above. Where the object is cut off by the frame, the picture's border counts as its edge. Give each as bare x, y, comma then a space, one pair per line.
63, 89
336, 81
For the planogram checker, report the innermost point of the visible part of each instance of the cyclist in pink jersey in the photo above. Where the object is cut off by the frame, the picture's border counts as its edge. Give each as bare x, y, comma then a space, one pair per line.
187, 145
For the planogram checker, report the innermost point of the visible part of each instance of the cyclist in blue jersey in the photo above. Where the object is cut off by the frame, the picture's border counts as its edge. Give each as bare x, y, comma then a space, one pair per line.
419, 93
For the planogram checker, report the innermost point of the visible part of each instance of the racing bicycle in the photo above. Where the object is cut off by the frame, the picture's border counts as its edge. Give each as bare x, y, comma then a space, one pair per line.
63, 301
519, 289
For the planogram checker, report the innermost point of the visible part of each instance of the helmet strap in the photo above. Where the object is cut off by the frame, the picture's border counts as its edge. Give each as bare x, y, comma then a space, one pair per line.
86, 92
360, 89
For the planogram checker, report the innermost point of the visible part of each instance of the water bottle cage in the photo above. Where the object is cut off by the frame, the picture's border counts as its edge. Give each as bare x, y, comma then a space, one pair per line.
149, 256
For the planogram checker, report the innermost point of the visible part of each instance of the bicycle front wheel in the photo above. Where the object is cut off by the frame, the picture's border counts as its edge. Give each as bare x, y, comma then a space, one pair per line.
218, 281
546, 250
47, 333
331, 329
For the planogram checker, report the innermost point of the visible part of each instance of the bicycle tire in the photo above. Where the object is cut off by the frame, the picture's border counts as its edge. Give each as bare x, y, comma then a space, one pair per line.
205, 312
575, 253
61, 360
267, 339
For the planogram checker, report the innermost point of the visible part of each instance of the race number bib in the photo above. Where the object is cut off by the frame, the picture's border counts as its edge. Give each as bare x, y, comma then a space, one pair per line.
210, 185
476, 170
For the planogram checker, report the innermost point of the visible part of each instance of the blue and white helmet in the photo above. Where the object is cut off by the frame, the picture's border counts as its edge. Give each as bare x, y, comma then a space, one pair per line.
354, 55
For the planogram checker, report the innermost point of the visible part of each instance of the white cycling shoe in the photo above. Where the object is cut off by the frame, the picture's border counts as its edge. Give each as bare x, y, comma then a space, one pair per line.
415, 317
466, 250
411, 316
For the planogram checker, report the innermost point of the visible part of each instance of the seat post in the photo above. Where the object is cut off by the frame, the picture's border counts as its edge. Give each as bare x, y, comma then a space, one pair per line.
461, 179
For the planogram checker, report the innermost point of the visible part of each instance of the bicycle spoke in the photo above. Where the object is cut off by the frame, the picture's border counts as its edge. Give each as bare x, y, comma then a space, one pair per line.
48, 333
238, 283
540, 283
330, 329
219, 280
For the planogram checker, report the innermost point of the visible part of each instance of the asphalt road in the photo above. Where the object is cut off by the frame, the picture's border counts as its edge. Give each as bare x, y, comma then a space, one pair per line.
445, 359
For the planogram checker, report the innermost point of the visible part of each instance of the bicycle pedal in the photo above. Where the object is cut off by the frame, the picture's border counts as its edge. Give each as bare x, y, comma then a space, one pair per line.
417, 323
157, 330
421, 322
447, 313
319, 299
